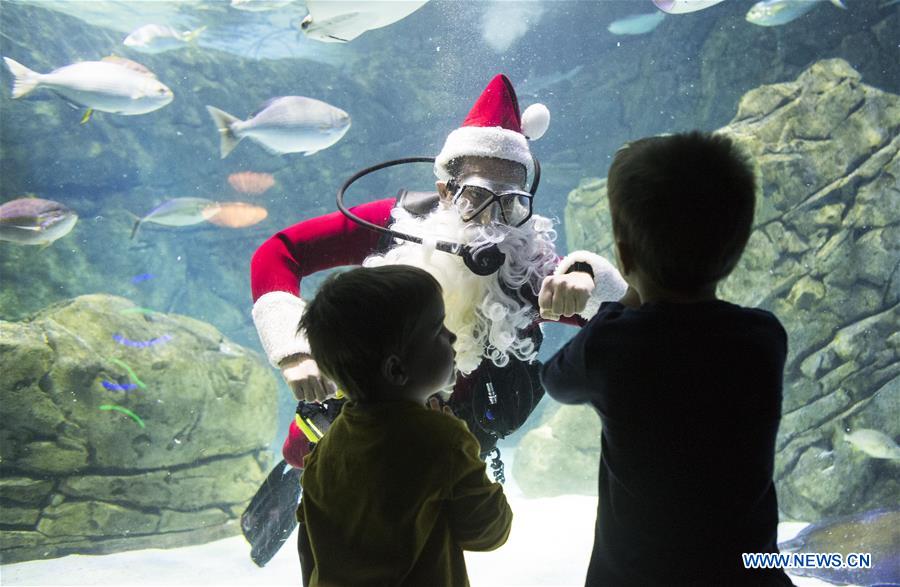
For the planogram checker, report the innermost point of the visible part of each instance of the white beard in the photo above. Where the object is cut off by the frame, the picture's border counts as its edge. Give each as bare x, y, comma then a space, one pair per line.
486, 320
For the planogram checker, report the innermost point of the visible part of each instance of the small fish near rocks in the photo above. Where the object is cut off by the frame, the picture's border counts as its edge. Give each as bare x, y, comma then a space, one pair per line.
237, 214
684, 6
35, 221
158, 38
779, 12
874, 443
636, 24
251, 182
178, 212
287, 124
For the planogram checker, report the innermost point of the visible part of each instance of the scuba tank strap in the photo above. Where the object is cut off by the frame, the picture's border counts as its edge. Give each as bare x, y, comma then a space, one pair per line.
418, 204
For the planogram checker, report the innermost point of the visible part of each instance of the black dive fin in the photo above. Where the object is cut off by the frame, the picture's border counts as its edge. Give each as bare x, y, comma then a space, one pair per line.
272, 514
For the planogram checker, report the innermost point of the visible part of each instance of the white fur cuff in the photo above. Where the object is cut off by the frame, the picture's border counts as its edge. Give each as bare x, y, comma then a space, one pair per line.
276, 315
608, 284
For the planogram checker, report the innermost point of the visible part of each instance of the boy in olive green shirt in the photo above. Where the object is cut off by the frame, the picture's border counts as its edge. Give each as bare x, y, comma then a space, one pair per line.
395, 491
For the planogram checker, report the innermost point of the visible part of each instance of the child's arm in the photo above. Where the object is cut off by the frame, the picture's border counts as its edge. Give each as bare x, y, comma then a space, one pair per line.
480, 517
564, 375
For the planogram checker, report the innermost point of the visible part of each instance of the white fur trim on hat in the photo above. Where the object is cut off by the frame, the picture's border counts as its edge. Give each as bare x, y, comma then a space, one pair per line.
483, 141
276, 316
608, 284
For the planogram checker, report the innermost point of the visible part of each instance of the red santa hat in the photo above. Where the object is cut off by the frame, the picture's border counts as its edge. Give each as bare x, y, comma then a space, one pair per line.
494, 128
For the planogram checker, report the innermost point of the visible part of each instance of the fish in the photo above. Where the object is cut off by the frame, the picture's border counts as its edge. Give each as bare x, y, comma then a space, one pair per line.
35, 221
636, 24
287, 124
131, 374
158, 38
113, 386
142, 277
779, 12
259, 5
230, 349
251, 182
341, 21
113, 85
178, 212
238, 215
534, 85
126, 411
876, 532
129, 64
874, 443
142, 344
684, 6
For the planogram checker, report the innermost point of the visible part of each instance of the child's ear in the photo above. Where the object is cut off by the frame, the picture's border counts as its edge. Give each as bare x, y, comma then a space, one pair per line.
624, 257
392, 370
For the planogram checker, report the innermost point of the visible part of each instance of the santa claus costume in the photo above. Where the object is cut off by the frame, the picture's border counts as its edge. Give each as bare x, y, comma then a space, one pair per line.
495, 317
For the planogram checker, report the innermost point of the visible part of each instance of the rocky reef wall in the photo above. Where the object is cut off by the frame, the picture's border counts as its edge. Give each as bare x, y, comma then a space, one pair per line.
125, 428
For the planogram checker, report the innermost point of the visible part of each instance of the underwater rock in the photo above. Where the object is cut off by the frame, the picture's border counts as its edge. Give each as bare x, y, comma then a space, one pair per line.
823, 257
587, 217
560, 453
126, 430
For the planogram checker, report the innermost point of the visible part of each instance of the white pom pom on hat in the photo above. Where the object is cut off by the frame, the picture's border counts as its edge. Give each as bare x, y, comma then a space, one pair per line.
494, 128
535, 121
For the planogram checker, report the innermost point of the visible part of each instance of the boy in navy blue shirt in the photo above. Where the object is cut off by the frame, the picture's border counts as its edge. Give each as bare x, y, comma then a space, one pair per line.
688, 387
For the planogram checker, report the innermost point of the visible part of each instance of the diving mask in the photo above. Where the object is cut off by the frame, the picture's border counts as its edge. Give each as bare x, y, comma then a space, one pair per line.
476, 195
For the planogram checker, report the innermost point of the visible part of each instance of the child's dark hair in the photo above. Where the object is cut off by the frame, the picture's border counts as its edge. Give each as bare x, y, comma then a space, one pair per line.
684, 203
360, 316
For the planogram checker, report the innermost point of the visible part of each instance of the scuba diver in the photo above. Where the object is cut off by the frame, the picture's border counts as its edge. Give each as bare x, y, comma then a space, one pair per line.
493, 257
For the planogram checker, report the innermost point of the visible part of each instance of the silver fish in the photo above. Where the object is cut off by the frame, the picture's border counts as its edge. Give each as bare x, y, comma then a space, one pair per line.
34, 221
289, 124
876, 532
684, 6
108, 86
779, 12
874, 443
259, 5
535, 85
341, 21
157, 38
636, 24
179, 212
